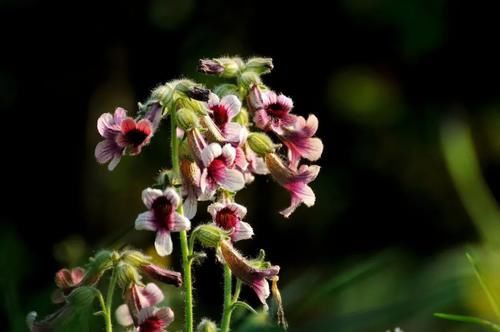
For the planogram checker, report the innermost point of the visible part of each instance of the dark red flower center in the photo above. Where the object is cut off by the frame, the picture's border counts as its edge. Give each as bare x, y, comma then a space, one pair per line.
216, 168
277, 110
152, 324
220, 114
135, 137
163, 212
226, 219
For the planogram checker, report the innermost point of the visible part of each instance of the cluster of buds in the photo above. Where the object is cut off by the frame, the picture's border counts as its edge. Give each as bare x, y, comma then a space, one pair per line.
77, 289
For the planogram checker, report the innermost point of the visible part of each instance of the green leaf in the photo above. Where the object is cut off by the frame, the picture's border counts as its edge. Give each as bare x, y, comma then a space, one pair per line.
244, 305
484, 286
468, 319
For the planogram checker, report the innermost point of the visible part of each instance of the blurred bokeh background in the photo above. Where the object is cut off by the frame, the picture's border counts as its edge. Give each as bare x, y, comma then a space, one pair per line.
407, 93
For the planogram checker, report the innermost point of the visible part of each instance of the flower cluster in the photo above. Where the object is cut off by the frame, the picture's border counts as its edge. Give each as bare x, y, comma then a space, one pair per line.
221, 139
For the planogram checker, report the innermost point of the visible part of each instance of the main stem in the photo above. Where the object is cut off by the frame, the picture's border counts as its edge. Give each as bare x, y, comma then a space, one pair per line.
186, 262
228, 301
109, 302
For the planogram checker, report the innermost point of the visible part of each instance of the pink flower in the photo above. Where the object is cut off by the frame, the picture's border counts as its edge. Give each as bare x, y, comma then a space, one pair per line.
228, 216
67, 280
222, 112
299, 141
140, 311
295, 181
218, 162
162, 217
120, 133
272, 111
248, 272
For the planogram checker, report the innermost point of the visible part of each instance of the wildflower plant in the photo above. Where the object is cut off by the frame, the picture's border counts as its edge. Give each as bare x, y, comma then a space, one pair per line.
220, 139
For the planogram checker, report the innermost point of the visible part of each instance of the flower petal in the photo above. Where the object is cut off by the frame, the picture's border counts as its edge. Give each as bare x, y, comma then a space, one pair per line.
127, 125
233, 105
145, 126
166, 315
172, 196
149, 195
119, 115
242, 231
261, 119
163, 243
285, 101
235, 133
114, 162
229, 154
238, 209
210, 152
261, 289
190, 206
104, 124
181, 223
214, 208
152, 295
123, 317
105, 150
231, 179
145, 221
268, 97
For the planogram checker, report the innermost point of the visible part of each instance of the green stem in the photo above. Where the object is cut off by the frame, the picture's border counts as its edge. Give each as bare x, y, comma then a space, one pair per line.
109, 302
228, 302
237, 291
186, 262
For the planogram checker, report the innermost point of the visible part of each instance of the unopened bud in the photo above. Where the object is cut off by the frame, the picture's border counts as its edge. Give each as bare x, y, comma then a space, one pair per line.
210, 235
206, 325
187, 119
82, 297
259, 66
126, 274
135, 258
249, 78
224, 67
226, 89
163, 94
163, 275
260, 143
242, 117
200, 94
195, 105
98, 264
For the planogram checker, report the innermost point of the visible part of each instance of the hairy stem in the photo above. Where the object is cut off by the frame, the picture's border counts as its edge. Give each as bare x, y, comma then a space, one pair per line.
186, 262
109, 302
228, 302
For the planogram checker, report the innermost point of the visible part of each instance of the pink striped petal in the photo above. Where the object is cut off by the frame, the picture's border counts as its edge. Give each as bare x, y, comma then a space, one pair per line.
231, 179
181, 223
210, 152
146, 221
232, 104
163, 243
229, 154
149, 195
172, 196
242, 231
123, 316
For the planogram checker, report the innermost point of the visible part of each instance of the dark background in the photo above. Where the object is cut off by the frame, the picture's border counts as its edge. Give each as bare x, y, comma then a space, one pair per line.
383, 77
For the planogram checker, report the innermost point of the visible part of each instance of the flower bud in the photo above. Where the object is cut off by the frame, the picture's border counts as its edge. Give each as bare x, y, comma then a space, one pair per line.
163, 93
81, 297
163, 275
254, 99
242, 117
213, 132
206, 325
197, 106
98, 265
226, 89
249, 78
259, 66
210, 235
199, 94
224, 67
187, 119
126, 274
190, 172
260, 143
135, 258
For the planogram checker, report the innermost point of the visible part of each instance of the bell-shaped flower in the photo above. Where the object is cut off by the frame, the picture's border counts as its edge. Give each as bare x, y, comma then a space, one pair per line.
299, 141
229, 216
219, 169
295, 181
271, 111
162, 217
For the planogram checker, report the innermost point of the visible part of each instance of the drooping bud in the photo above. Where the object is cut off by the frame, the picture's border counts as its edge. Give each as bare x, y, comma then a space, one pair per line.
211, 67
259, 66
187, 119
82, 297
199, 94
197, 106
226, 89
260, 143
251, 273
190, 172
206, 325
210, 235
213, 132
249, 78
254, 99
126, 275
163, 275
